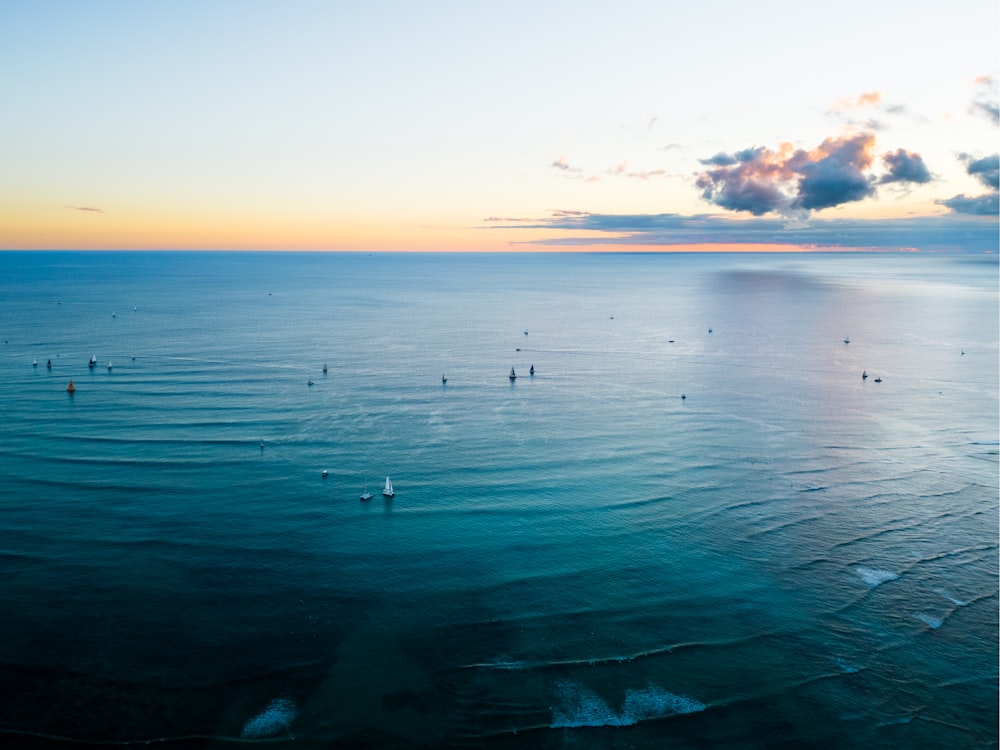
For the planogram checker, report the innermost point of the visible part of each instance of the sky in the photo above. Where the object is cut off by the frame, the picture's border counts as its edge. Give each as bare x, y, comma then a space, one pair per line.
485, 126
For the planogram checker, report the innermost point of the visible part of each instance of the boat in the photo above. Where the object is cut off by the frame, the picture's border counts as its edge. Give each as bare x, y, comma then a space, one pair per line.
71, 388
309, 383
109, 364
878, 380
34, 363
93, 361
326, 472
366, 495
847, 339
387, 490
324, 368
443, 379
513, 375
532, 370
49, 364
864, 375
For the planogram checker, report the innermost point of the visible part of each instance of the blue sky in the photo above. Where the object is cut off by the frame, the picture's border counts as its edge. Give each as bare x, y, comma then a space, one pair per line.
499, 126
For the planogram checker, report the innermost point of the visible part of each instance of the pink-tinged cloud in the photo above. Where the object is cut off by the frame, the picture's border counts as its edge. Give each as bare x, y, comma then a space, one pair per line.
562, 165
793, 182
761, 181
865, 101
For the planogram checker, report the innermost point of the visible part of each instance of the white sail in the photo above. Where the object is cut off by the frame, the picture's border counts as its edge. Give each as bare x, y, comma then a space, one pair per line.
387, 490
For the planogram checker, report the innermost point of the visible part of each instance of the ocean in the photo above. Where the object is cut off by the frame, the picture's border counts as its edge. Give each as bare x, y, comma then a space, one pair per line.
695, 525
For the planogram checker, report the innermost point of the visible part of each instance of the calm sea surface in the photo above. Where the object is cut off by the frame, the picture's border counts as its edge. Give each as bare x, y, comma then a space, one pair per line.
696, 525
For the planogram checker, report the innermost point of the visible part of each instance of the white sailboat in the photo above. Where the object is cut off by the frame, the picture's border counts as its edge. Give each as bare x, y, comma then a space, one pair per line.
366, 495
387, 490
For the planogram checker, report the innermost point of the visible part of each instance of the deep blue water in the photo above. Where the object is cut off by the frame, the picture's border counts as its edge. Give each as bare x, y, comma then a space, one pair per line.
667, 537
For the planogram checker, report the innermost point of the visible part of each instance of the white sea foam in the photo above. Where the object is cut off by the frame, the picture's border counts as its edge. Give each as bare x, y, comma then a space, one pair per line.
952, 599
582, 707
276, 718
844, 666
930, 621
874, 577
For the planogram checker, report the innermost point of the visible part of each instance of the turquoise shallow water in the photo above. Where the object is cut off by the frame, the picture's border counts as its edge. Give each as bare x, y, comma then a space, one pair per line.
666, 537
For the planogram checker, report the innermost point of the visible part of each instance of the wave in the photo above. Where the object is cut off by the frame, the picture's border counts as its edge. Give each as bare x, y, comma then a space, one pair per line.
929, 620
276, 718
579, 706
874, 577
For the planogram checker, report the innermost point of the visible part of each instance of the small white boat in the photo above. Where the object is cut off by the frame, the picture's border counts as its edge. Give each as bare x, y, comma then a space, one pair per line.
109, 364
366, 495
387, 490
513, 375
326, 473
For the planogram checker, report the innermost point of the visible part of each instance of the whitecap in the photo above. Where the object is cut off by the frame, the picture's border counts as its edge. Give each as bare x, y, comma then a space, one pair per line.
277, 717
655, 701
952, 599
844, 667
874, 577
582, 707
930, 621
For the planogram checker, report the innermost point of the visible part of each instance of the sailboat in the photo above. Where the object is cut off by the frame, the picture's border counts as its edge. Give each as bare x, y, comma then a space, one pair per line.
366, 495
512, 375
387, 490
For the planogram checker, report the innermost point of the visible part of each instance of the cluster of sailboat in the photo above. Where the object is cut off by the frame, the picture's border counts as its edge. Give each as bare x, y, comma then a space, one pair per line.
387, 490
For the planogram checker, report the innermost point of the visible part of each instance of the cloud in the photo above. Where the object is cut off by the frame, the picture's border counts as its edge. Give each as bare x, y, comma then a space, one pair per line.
869, 112
948, 232
865, 101
986, 170
759, 180
87, 208
979, 205
905, 166
795, 182
562, 165
987, 101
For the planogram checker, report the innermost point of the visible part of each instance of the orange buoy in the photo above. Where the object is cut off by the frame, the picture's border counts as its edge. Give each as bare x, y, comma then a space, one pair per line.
71, 388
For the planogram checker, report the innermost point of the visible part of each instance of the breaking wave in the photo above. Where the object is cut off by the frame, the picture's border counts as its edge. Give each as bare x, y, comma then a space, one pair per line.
580, 706
277, 717
874, 577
